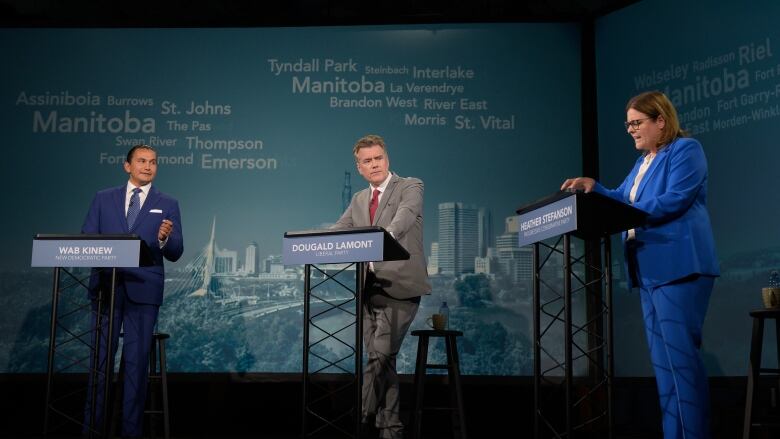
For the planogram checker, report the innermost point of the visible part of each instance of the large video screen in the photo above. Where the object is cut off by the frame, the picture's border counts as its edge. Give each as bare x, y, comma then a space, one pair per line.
254, 130
718, 63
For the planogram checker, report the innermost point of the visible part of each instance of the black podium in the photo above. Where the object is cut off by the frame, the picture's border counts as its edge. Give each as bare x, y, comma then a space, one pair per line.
107, 252
326, 399
566, 405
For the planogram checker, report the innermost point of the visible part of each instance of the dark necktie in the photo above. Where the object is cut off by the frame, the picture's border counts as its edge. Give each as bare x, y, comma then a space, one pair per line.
374, 204
134, 208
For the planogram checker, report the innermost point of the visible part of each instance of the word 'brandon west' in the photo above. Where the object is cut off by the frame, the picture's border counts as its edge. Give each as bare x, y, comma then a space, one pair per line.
325, 246
547, 218
464, 104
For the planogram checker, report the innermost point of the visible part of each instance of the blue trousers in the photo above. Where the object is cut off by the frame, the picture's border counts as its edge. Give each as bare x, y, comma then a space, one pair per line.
136, 321
673, 316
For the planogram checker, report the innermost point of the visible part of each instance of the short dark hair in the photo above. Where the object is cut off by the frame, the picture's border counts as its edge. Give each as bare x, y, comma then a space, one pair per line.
132, 151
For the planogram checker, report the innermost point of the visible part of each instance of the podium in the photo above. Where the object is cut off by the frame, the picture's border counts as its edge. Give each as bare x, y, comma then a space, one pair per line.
318, 250
73, 251
560, 408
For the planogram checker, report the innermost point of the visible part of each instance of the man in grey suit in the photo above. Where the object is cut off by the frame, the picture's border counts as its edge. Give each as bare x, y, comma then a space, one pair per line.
393, 289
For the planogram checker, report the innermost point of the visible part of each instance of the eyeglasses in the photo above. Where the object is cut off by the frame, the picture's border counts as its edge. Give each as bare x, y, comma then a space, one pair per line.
635, 123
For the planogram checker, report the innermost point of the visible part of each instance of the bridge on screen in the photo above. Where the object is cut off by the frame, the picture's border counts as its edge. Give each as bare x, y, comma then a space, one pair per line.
246, 295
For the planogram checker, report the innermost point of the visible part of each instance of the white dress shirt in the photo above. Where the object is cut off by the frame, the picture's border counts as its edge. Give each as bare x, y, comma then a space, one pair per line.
637, 180
142, 198
141, 195
381, 188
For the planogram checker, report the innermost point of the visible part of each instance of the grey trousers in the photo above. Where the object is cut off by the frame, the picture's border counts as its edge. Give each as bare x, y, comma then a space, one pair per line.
385, 323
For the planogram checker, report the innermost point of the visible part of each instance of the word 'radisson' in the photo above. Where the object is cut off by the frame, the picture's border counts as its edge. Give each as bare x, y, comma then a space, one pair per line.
86, 250
320, 246
546, 218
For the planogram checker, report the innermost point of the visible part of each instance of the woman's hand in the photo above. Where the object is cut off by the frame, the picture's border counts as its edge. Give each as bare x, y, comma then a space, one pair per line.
580, 183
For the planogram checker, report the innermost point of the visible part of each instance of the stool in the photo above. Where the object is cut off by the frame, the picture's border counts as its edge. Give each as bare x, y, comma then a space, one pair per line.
158, 382
453, 374
158, 377
755, 370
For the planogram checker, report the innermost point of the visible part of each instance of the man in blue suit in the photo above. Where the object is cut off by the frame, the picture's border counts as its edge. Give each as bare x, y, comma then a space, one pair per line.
137, 208
671, 259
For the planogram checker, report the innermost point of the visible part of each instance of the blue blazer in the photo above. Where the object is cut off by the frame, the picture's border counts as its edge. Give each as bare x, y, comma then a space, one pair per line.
677, 240
107, 215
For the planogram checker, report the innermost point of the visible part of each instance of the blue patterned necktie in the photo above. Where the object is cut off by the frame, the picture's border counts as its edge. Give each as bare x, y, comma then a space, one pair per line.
134, 208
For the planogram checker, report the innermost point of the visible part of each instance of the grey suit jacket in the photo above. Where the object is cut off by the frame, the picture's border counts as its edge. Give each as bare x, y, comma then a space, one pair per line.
400, 213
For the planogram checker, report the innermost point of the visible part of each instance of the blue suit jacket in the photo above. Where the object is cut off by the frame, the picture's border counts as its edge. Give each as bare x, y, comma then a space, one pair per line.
107, 215
677, 241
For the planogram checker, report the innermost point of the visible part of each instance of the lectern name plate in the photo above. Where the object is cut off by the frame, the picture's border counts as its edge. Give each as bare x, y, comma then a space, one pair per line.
86, 253
333, 249
547, 221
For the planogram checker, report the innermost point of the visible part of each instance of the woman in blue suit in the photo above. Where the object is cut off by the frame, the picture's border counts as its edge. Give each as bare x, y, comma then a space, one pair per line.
671, 260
